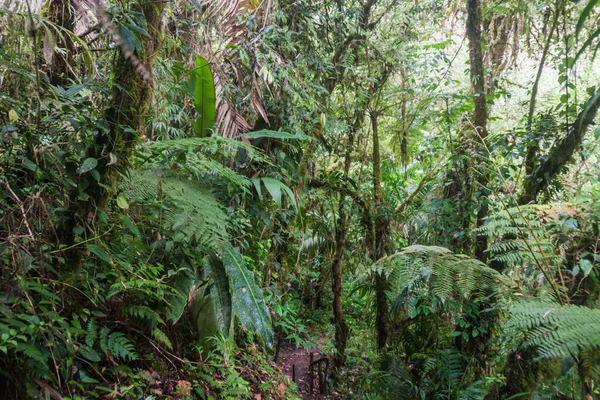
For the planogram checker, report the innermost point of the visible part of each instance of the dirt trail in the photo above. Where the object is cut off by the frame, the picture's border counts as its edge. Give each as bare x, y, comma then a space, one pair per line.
291, 356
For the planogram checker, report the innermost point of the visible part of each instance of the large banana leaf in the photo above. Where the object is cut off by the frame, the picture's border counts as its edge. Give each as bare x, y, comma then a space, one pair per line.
246, 297
202, 86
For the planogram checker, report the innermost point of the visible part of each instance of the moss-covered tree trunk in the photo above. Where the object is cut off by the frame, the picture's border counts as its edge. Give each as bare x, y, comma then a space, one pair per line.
132, 93
131, 98
533, 146
380, 226
561, 154
60, 66
477, 74
341, 229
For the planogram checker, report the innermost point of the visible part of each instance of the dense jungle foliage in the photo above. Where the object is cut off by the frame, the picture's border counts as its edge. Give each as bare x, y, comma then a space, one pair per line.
189, 189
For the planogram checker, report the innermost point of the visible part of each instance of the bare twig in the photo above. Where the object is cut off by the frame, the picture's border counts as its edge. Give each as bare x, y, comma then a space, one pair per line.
20, 203
54, 395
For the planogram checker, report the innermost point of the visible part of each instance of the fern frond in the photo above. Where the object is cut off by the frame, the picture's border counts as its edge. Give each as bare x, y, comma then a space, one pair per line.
32, 352
91, 332
121, 347
145, 313
557, 330
162, 338
195, 213
445, 274
521, 235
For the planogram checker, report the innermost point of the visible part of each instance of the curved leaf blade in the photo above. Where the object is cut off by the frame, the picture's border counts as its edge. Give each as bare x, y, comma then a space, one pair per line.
246, 297
202, 86
219, 289
276, 188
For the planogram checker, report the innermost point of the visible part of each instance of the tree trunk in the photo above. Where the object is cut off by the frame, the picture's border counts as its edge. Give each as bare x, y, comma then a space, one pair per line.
131, 99
477, 73
341, 328
561, 154
381, 224
534, 146
132, 93
62, 14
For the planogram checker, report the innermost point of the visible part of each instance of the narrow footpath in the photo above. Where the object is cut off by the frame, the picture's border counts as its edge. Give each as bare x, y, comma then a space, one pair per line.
300, 358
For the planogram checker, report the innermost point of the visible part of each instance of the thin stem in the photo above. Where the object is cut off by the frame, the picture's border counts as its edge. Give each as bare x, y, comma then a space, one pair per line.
529, 248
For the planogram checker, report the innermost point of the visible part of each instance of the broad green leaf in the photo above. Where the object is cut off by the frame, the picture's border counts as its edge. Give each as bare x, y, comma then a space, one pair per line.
196, 4
205, 316
586, 266
89, 353
73, 90
275, 188
122, 203
103, 255
246, 297
177, 300
258, 185
127, 36
202, 85
212, 309
138, 29
88, 165
219, 288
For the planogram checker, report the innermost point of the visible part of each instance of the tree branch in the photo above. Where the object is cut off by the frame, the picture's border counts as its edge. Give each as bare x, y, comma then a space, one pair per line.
561, 154
411, 198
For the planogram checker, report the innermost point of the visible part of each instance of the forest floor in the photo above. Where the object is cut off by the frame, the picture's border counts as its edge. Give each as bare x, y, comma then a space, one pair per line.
300, 358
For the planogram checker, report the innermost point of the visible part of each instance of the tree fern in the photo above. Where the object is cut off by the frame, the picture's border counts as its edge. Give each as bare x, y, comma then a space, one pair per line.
556, 330
437, 269
192, 211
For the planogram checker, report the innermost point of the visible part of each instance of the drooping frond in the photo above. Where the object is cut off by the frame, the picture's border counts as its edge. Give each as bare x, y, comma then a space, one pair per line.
445, 274
557, 331
188, 208
232, 291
